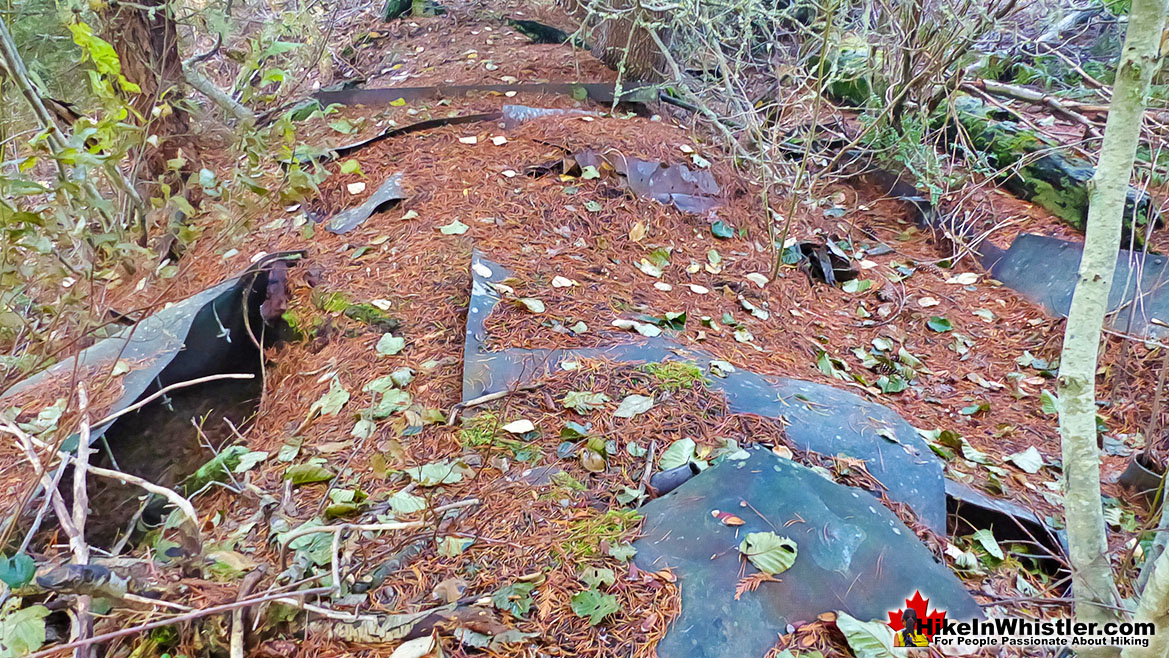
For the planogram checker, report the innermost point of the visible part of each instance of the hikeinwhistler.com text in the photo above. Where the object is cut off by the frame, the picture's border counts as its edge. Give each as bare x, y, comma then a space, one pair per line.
1017, 632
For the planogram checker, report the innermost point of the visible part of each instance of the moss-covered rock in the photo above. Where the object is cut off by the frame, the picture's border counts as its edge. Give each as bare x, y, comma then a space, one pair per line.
1036, 168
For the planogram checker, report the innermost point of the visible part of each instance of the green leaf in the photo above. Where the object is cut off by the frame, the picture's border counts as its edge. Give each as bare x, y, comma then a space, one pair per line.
393, 400
404, 502
453, 546
622, 552
595, 577
290, 449
679, 453
986, 538
975, 408
454, 228
633, 405
769, 552
351, 166
939, 324
22, 630
436, 473
1050, 402
594, 605
18, 570
867, 639
592, 206
389, 344
307, 474
722, 230
584, 401
515, 598
891, 384
589, 172
332, 401
248, 461
1029, 460
856, 285
532, 304
573, 431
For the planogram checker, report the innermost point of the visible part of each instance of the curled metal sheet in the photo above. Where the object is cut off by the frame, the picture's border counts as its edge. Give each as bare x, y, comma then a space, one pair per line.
819, 418
385, 196
1045, 270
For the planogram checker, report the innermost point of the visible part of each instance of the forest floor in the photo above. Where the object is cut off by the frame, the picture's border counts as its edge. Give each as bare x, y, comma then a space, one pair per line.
984, 352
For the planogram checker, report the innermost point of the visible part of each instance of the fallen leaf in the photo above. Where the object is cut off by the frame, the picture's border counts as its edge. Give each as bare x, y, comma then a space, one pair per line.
769, 552
562, 282
663, 286
416, 648
521, 426
389, 344
594, 605
726, 518
469, 140
634, 405
637, 233
584, 401
647, 330
867, 639
454, 228
532, 304
1030, 460
926, 302
986, 538
964, 279
758, 279
697, 289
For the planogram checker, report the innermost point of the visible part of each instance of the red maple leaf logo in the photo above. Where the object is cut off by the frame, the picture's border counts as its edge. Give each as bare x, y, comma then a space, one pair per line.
930, 624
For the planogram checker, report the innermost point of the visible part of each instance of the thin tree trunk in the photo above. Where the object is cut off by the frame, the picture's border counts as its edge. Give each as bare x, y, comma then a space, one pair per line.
1154, 607
1093, 587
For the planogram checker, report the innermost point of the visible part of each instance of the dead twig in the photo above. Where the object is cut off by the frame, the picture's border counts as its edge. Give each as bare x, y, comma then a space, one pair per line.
237, 615
362, 527
453, 414
166, 389
178, 619
84, 625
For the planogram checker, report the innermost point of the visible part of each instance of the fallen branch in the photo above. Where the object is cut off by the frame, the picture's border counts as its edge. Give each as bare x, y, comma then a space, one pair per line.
84, 621
453, 414
362, 527
237, 615
194, 614
1026, 95
166, 389
212, 91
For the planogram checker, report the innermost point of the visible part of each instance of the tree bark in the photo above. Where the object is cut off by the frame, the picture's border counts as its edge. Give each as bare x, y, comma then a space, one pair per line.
1154, 607
147, 43
1093, 587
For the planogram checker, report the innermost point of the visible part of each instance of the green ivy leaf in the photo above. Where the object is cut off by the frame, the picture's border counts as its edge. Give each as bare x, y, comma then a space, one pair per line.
594, 605
515, 598
721, 229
